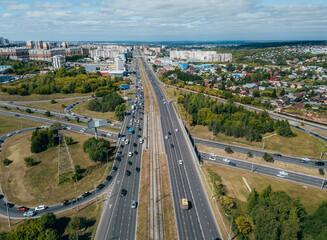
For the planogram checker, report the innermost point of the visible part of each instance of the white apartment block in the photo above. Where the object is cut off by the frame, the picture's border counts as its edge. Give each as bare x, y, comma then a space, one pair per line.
204, 56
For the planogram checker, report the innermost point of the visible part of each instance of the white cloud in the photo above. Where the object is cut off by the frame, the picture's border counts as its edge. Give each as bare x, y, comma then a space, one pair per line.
18, 7
7, 15
51, 5
84, 4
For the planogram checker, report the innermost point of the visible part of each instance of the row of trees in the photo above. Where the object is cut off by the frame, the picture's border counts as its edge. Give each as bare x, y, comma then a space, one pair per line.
106, 104
230, 119
64, 81
98, 149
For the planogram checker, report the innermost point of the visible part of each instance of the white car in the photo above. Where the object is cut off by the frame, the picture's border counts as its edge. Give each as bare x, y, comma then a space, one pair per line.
112, 124
212, 154
166, 137
280, 175
226, 160
306, 159
30, 213
212, 158
130, 154
9, 135
176, 130
283, 173
40, 208
126, 141
180, 161
69, 128
109, 134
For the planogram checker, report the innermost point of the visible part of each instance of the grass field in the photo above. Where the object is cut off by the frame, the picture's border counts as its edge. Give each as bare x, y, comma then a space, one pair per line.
53, 107
310, 197
301, 145
82, 110
37, 97
8, 124
39, 184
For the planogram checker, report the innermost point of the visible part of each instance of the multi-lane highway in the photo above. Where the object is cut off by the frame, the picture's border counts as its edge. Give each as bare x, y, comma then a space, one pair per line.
118, 219
198, 222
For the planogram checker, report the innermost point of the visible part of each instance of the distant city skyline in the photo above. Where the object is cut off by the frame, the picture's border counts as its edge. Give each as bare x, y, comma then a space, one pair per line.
148, 20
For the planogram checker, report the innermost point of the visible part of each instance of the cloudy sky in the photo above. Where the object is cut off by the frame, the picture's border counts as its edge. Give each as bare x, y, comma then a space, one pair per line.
163, 20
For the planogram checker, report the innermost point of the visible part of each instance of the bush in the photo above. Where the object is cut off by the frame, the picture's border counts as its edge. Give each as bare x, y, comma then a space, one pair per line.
77, 223
28, 110
267, 157
250, 154
47, 114
53, 101
6, 162
229, 150
41, 140
321, 171
29, 161
69, 140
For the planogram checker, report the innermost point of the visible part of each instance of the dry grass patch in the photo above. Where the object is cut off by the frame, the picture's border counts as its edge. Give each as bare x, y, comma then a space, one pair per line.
38, 97
52, 107
303, 144
143, 206
168, 206
39, 184
310, 197
9, 123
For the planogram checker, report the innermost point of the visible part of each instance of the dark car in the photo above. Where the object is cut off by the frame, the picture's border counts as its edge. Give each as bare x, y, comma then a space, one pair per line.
119, 152
277, 155
122, 146
123, 192
138, 136
169, 133
137, 169
130, 163
64, 202
319, 163
128, 173
171, 145
9, 205
100, 187
109, 177
135, 145
232, 164
140, 129
114, 168
127, 127
118, 159
84, 195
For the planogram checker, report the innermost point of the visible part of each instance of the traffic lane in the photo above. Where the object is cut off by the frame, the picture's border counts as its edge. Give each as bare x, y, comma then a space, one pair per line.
292, 176
255, 152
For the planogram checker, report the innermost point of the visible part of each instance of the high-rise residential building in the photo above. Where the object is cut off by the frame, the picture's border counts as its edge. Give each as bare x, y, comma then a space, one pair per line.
58, 61
119, 64
205, 56
46, 45
30, 44
4, 41
38, 44
65, 45
15, 52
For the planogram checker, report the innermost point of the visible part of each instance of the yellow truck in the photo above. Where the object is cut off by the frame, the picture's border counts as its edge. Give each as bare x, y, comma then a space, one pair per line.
184, 204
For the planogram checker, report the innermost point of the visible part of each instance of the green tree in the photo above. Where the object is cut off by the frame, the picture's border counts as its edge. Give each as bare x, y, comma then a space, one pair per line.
120, 112
229, 150
321, 171
29, 161
250, 154
267, 157
6, 162
274, 94
244, 225
47, 220
77, 223
282, 92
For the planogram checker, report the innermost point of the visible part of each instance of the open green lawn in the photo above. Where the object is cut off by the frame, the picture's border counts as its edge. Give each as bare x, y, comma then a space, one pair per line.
303, 144
37, 97
53, 107
8, 124
32, 186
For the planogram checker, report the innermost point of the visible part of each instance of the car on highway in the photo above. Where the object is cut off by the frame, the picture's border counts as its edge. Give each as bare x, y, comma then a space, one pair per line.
137, 169
136, 152
280, 175
135, 144
130, 163
9, 205
40, 208
85, 194
123, 192
180, 161
17, 115
166, 137
176, 130
64, 202
212, 158
305, 159
232, 164
126, 141
277, 155
212, 154
171, 145
319, 163
109, 134
128, 173
108, 178
22, 209
9, 135
226, 160
69, 128
114, 168
283, 173
134, 204
130, 154
30, 213
100, 186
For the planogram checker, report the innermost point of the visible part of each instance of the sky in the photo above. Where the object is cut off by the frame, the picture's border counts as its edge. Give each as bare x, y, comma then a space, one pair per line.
163, 20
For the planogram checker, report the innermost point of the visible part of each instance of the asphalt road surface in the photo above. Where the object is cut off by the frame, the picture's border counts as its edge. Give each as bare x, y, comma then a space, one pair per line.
198, 222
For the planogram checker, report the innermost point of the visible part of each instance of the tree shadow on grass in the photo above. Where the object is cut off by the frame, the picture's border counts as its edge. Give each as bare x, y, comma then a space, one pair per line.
61, 224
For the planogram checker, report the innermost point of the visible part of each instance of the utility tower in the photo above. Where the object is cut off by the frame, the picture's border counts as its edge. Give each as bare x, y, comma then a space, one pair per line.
65, 162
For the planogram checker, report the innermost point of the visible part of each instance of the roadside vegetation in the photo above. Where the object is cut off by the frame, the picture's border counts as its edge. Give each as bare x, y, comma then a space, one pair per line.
274, 211
9, 124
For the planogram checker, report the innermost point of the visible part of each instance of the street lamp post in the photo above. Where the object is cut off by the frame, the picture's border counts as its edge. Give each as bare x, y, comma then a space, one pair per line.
263, 142
8, 214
